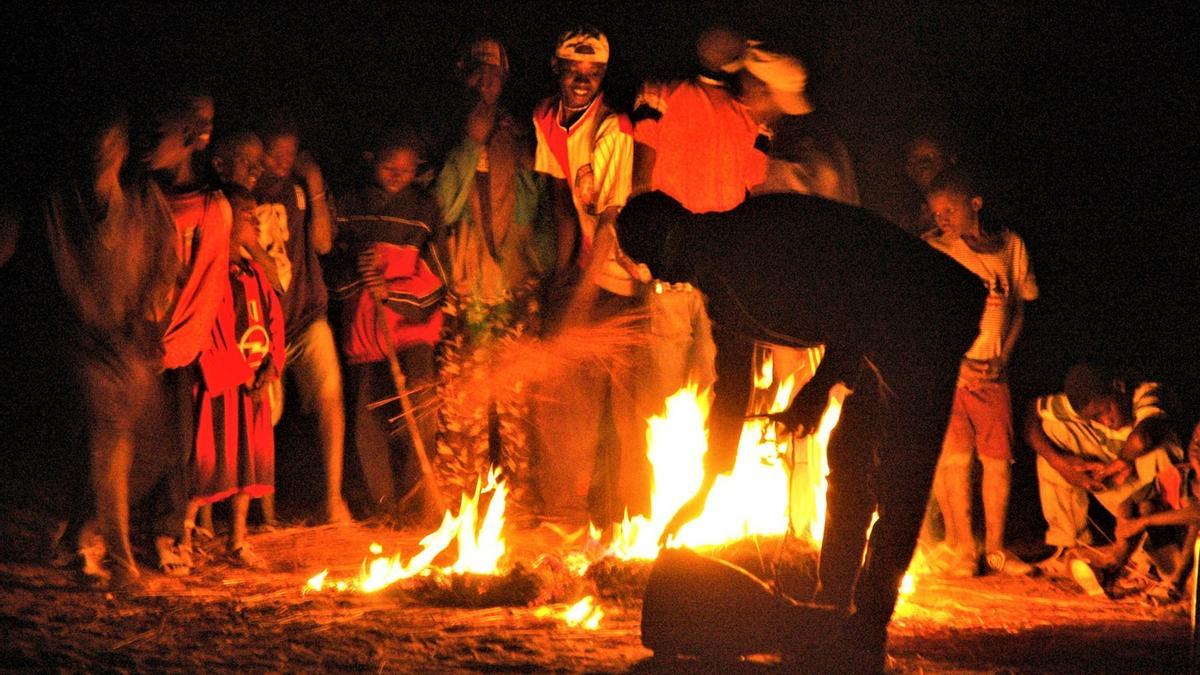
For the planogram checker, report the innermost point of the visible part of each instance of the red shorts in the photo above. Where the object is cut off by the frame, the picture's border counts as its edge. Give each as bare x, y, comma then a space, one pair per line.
981, 419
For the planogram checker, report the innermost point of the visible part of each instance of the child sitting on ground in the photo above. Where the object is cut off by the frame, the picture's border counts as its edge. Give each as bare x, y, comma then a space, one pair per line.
1182, 497
234, 453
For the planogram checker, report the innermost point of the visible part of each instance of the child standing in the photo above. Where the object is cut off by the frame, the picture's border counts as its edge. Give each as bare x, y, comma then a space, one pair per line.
981, 416
392, 283
234, 454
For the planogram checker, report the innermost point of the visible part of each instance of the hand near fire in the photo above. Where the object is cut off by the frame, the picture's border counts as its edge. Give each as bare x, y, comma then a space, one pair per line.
1116, 473
1080, 472
690, 509
804, 414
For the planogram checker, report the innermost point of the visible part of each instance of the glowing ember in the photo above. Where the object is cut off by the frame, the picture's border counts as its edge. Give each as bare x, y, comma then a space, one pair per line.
479, 548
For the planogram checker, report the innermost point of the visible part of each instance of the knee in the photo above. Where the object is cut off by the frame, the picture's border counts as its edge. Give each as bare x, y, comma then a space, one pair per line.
953, 462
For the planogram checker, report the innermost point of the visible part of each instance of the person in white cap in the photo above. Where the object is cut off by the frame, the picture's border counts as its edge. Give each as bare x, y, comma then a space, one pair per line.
803, 155
585, 149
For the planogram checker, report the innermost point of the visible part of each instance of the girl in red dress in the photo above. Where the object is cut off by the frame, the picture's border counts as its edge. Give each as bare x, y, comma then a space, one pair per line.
234, 453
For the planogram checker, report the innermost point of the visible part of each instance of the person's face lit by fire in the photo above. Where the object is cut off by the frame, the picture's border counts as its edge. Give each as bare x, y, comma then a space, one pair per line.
243, 166
925, 160
395, 170
201, 124
579, 82
280, 156
182, 134
957, 215
487, 81
1107, 411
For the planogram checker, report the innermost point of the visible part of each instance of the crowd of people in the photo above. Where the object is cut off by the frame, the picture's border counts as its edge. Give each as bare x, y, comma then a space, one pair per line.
202, 277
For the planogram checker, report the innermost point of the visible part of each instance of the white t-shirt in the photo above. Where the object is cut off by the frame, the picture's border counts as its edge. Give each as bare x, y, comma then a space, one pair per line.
1077, 435
1009, 278
595, 157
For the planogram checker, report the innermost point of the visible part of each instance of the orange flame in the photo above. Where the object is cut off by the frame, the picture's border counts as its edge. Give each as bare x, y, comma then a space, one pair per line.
755, 498
480, 549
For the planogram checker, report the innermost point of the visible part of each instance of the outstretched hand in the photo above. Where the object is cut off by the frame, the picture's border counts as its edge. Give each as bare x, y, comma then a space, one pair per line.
804, 414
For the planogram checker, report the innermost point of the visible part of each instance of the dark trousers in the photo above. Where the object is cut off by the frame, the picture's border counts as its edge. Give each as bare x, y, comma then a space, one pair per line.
882, 457
385, 448
589, 446
731, 397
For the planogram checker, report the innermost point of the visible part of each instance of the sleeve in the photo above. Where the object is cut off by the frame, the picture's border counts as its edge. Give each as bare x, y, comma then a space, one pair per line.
190, 328
612, 163
544, 160
435, 253
1023, 271
648, 110
1148, 402
222, 365
275, 322
453, 185
341, 264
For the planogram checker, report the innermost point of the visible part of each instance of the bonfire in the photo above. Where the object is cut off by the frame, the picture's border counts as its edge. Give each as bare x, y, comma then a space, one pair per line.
777, 483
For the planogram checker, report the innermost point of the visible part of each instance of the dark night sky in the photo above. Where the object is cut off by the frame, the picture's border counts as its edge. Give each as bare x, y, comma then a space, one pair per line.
1081, 117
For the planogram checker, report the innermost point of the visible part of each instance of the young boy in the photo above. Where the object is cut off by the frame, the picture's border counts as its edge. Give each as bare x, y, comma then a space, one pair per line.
293, 209
234, 454
392, 283
1104, 435
1183, 509
981, 417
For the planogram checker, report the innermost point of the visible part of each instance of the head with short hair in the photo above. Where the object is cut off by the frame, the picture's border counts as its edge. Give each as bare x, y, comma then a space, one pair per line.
395, 159
955, 204
179, 126
1098, 395
238, 158
926, 156
719, 47
280, 136
580, 62
646, 232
